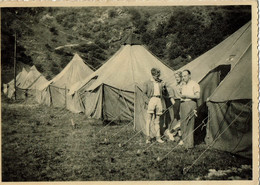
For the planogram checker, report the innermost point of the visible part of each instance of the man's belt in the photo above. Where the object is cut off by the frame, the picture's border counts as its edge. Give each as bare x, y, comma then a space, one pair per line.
189, 100
157, 96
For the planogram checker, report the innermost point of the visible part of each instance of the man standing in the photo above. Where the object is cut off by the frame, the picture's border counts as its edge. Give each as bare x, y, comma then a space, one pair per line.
175, 114
189, 95
155, 89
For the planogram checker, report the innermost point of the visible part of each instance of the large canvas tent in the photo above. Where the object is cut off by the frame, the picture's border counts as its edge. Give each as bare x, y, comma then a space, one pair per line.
208, 70
230, 110
211, 67
108, 93
55, 91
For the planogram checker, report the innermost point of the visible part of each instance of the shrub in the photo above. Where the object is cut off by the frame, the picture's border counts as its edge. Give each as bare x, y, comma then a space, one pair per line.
112, 13
54, 31
39, 67
55, 70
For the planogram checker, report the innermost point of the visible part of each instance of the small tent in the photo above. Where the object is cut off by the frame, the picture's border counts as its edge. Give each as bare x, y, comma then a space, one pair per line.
108, 93
31, 84
230, 110
9, 88
55, 91
27, 84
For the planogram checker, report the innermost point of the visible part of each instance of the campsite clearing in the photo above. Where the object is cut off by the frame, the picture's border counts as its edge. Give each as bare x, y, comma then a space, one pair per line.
39, 143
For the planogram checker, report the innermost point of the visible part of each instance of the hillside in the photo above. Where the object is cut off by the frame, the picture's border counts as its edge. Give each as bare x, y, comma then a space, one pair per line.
48, 37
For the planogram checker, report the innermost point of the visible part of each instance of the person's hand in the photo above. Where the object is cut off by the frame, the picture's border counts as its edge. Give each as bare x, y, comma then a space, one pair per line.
173, 101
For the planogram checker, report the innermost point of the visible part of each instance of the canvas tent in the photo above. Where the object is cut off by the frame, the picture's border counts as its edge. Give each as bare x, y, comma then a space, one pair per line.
55, 91
224, 74
230, 110
211, 67
9, 87
108, 93
27, 84
208, 70
30, 86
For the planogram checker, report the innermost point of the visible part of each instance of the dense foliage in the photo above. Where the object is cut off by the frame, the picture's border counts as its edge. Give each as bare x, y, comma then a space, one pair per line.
48, 37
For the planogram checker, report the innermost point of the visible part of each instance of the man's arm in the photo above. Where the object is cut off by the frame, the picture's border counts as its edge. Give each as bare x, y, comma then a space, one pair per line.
172, 100
195, 96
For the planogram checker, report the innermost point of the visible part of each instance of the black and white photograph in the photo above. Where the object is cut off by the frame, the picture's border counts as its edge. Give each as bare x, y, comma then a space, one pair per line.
129, 93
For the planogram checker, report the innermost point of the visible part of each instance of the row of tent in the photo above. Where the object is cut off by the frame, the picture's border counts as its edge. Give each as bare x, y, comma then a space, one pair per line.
114, 91
27, 84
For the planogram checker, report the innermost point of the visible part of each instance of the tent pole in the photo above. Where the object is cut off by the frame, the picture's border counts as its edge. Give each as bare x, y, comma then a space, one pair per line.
65, 97
134, 106
15, 66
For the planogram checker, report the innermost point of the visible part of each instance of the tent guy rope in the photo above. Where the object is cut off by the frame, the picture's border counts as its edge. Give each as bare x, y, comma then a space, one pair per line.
185, 170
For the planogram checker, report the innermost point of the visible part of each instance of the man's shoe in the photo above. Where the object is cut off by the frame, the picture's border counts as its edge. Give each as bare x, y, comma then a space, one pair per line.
181, 143
159, 140
171, 138
147, 141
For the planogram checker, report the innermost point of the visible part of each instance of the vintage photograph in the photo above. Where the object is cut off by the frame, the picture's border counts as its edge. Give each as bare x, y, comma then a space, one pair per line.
128, 93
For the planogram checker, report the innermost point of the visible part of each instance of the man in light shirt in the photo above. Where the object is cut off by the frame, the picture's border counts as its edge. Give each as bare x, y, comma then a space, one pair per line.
189, 94
155, 89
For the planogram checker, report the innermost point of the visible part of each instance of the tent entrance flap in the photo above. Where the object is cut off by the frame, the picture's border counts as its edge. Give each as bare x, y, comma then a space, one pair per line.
237, 138
210, 82
58, 96
92, 101
74, 103
117, 103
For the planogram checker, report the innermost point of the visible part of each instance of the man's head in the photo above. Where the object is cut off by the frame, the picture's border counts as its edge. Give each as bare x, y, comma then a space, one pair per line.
186, 75
178, 77
155, 73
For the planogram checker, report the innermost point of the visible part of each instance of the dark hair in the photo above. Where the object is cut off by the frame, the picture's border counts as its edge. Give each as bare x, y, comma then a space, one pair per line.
155, 71
188, 71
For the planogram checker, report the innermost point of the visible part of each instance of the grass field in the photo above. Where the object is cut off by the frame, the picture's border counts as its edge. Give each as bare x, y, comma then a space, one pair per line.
40, 144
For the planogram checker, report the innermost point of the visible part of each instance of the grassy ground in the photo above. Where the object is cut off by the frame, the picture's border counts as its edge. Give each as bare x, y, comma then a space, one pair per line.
39, 144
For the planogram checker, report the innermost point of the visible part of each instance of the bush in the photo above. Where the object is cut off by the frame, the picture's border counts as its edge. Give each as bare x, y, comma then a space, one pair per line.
54, 64
39, 67
60, 18
101, 43
174, 51
48, 47
65, 60
135, 15
55, 70
54, 31
54, 40
146, 38
112, 13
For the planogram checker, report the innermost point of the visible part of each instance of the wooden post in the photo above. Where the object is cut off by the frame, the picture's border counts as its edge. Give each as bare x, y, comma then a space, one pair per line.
15, 66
